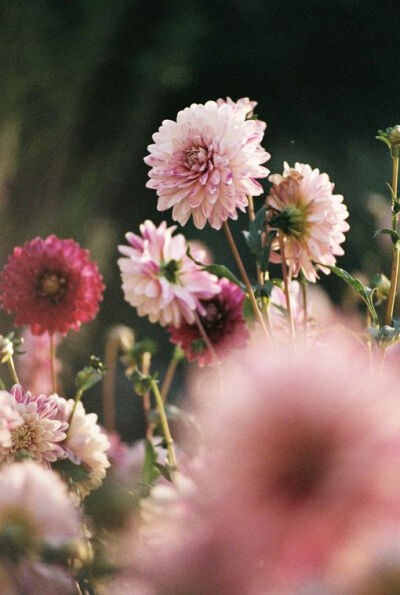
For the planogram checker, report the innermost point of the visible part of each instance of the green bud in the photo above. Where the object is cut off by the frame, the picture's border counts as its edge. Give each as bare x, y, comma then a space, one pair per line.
394, 137
381, 284
141, 382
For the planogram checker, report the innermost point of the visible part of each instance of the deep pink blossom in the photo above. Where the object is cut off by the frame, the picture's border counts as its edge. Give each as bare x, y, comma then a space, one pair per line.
51, 285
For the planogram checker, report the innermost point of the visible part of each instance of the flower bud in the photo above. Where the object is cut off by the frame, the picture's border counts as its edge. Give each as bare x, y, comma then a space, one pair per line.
6, 349
394, 137
382, 286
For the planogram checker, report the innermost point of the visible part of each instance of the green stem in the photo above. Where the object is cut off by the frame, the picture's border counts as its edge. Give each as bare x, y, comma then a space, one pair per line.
395, 252
164, 424
53, 363
168, 378
303, 283
286, 284
12, 370
77, 399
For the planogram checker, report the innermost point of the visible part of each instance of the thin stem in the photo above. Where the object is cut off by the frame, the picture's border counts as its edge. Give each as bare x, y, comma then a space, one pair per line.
12, 370
245, 278
164, 424
395, 252
146, 363
110, 360
53, 363
78, 397
252, 212
168, 378
303, 284
205, 338
286, 284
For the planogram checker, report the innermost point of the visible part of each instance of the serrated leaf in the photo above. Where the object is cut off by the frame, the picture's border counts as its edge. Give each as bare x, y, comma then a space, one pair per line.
149, 470
390, 232
365, 293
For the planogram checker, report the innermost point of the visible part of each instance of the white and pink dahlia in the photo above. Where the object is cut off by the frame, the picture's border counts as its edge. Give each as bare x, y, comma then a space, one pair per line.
10, 419
160, 280
86, 443
40, 432
207, 162
301, 203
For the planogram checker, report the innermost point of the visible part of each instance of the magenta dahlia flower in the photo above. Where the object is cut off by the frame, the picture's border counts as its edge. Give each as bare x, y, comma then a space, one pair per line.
313, 219
51, 285
40, 433
223, 321
160, 280
206, 163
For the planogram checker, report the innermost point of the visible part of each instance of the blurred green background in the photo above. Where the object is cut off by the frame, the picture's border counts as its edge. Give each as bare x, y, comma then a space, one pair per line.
85, 83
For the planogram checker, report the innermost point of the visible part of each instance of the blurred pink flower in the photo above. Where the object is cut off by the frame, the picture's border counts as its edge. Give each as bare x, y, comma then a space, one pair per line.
200, 251
35, 510
9, 419
34, 366
206, 163
51, 285
159, 279
223, 323
86, 443
312, 218
40, 432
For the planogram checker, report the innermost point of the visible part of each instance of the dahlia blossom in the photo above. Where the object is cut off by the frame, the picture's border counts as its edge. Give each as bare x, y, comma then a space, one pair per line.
40, 432
85, 444
315, 457
35, 510
159, 279
206, 163
302, 204
10, 419
51, 285
223, 323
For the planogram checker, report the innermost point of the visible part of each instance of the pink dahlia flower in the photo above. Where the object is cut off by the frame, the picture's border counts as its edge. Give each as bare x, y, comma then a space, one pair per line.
85, 444
159, 279
40, 433
51, 285
34, 366
222, 320
313, 219
206, 163
10, 419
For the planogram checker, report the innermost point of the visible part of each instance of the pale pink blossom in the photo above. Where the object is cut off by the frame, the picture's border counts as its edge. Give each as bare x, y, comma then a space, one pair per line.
206, 163
35, 508
9, 419
34, 366
302, 204
159, 279
86, 443
40, 432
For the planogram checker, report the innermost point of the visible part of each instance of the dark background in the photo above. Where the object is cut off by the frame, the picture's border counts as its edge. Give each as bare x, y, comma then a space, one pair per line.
85, 83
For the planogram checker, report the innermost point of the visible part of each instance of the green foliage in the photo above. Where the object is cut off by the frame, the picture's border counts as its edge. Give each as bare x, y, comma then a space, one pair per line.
150, 472
254, 239
71, 472
90, 375
390, 232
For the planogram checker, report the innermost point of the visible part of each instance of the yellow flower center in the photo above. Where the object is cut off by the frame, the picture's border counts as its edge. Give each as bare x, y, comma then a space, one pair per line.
22, 437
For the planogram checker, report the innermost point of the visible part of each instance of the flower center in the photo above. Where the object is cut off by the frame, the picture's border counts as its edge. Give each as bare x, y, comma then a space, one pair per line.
22, 437
170, 270
52, 285
192, 156
292, 221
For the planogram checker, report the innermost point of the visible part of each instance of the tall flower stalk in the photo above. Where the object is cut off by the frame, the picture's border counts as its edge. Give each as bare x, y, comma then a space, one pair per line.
396, 247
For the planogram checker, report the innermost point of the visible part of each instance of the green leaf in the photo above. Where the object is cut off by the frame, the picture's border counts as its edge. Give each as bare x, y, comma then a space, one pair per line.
264, 291
387, 335
164, 470
70, 471
149, 470
365, 293
248, 312
221, 271
2, 385
394, 234
90, 375
23, 454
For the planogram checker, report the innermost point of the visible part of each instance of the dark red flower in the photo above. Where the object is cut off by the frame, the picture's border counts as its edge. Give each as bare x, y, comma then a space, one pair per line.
223, 322
51, 285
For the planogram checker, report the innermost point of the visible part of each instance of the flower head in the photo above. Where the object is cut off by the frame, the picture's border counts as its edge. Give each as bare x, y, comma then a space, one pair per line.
159, 279
312, 218
40, 433
222, 320
51, 285
85, 443
206, 163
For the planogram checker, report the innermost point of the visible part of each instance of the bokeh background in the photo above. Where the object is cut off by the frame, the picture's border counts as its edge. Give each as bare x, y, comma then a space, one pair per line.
85, 83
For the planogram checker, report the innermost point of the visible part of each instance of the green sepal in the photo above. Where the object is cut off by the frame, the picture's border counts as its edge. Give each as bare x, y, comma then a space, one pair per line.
366, 293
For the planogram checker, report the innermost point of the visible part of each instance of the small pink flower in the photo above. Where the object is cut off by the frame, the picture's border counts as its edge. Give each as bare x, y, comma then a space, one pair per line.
51, 285
223, 322
206, 163
40, 433
159, 279
34, 366
313, 219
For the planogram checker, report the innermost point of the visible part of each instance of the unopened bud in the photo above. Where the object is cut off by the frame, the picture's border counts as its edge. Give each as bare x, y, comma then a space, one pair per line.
394, 137
6, 349
381, 284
